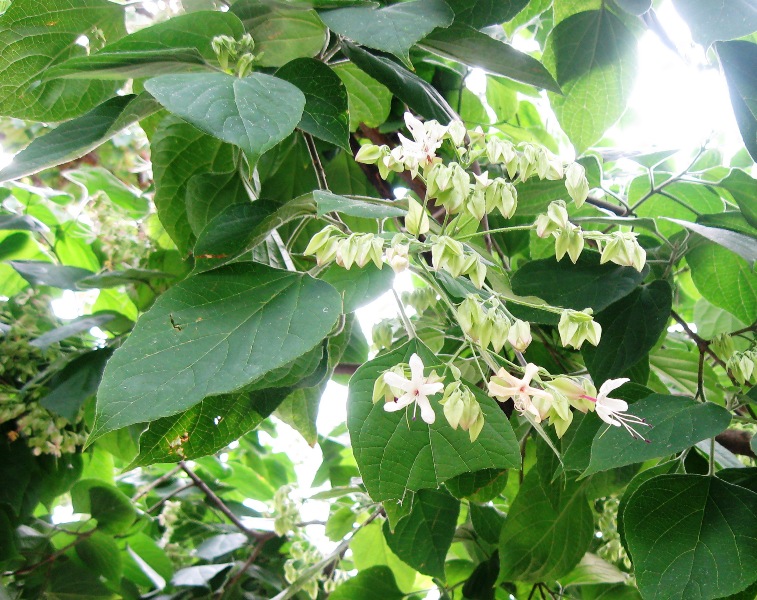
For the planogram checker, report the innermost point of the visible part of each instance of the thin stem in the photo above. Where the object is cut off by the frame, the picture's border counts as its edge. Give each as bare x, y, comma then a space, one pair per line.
655, 190
146, 489
498, 230
405, 321
55, 555
320, 173
251, 559
167, 497
711, 470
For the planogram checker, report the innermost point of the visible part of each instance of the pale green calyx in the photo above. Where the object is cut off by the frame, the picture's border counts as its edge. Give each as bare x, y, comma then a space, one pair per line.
570, 241
554, 219
461, 409
576, 183
449, 185
520, 335
416, 220
623, 249
577, 326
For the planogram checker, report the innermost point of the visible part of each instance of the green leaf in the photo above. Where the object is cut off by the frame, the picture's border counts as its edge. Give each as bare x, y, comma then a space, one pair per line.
182, 43
712, 21
487, 522
358, 288
711, 320
368, 100
743, 189
35, 36
678, 369
101, 554
478, 486
396, 454
394, 29
586, 284
689, 537
231, 325
99, 180
592, 570
630, 328
634, 7
299, 410
676, 423
742, 245
423, 537
592, 55
145, 563
14, 222
325, 115
481, 13
737, 60
207, 427
369, 549
221, 545
254, 113
281, 35
208, 194
417, 93
75, 383
74, 327
111, 508
726, 280
179, 152
375, 583
357, 207
44, 273
548, 529
79, 136
465, 44
111, 279
241, 227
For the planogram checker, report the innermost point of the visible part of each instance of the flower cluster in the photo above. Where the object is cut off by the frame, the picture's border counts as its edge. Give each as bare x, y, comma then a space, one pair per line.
235, 55
487, 324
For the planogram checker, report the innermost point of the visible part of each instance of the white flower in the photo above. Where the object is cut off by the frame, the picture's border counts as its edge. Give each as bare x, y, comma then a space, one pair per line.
427, 137
417, 389
613, 410
504, 386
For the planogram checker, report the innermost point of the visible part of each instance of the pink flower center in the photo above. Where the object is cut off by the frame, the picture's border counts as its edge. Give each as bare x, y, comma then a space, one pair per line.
590, 398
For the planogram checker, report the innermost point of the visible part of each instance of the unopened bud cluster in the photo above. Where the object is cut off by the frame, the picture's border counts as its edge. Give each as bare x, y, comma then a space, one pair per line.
303, 555
235, 55
487, 324
286, 510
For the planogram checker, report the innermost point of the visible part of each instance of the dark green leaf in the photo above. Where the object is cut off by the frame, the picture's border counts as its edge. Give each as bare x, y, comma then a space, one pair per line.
374, 583
634, 7
110, 279
357, 207
145, 563
423, 537
478, 486
737, 60
481, 13
592, 55
487, 522
725, 279
112, 509
76, 138
75, 383
394, 29
207, 427
35, 36
712, 21
221, 545
480, 584
676, 423
690, 537
325, 114
179, 44
548, 529
395, 454
101, 554
241, 227
179, 152
232, 326
465, 44
299, 410
13, 222
418, 94
358, 288
99, 180
74, 327
630, 328
208, 194
44, 273
254, 113
586, 284
743, 189
593, 570
742, 245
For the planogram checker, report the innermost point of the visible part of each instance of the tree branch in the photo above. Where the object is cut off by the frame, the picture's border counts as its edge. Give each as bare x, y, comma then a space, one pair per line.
737, 441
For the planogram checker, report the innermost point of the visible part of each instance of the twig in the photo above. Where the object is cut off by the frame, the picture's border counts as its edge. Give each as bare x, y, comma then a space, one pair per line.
320, 173
55, 555
146, 489
219, 504
251, 559
167, 497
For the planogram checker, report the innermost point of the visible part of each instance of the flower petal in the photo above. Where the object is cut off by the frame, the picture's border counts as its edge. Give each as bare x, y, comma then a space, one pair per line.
528, 374
394, 380
610, 385
427, 412
612, 404
416, 368
429, 389
607, 416
399, 404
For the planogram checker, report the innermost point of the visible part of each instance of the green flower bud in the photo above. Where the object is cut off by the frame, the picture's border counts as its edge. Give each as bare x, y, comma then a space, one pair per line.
576, 183
382, 337
575, 392
520, 335
500, 151
461, 409
324, 244
577, 326
449, 184
245, 44
500, 332
470, 315
623, 249
369, 248
456, 132
390, 162
503, 196
556, 218
477, 272
225, 49
722, 346
398, 255
416, 220
448, 254
741, 366
570, 240
476, 204
346, 252
370, 154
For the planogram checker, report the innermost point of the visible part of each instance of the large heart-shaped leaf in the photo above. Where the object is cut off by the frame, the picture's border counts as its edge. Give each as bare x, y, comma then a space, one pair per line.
711, 21
396, 454
394, 29
208, 194
212, 334
677, 423
254, 113
592, 55
79, 136
481, 13
630, 328
691, 537
179, 44
737, 59
34, 36
325, 114
368, 100
475, 49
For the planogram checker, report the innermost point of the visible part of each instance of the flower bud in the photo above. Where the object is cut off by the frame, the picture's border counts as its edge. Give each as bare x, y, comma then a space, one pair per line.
398, 255
382, 336
470, 315
722, 346
555, 218
246, 44
741, 366
324, 244
623, 249
370, 154
476, 204
346, 251
461, 409
390, 162
528, 160
500, 331
503, 196
456, 132
556, 170
416, 220
477, 272
519, 335
449, 184
576, 183
577, 326
369, 248
448, 254
500, 151
570, 240
244, 65
574, 391
225, 49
